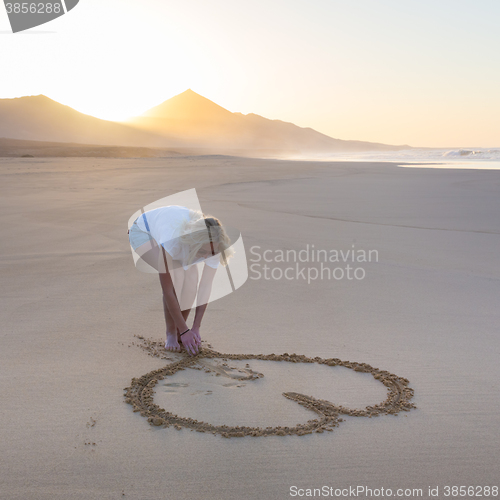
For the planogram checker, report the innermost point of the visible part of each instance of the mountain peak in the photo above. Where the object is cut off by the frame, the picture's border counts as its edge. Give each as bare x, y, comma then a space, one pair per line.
24, 98
187, 105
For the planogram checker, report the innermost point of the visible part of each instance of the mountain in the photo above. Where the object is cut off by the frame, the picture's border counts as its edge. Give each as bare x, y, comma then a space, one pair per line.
39, 118
205, 124
188, 122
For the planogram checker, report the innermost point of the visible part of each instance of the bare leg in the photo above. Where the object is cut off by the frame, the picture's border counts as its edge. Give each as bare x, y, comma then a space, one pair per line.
151, 254
173, 334
177, 275
189, 288
184, 282
172, 344
189, 293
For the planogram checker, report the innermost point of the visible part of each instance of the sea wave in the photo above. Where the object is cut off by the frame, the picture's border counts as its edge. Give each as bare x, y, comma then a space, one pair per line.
425, 155
476, 154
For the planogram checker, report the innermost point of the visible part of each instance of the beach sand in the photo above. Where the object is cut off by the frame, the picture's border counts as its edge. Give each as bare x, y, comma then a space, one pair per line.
73, 305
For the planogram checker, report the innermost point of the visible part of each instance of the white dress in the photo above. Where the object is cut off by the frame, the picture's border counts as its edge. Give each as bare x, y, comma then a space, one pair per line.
164, 224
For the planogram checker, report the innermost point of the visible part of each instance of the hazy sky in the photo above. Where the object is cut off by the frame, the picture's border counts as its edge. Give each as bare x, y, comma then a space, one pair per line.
423, 73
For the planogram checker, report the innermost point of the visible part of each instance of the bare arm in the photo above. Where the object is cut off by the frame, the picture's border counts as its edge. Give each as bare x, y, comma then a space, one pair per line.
172, 302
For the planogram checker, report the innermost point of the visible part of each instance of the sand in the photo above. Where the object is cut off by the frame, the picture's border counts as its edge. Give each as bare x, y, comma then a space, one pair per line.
141, 392
73, 302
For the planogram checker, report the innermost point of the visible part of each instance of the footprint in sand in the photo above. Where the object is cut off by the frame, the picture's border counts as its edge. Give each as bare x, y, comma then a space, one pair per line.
233, 384
141, 391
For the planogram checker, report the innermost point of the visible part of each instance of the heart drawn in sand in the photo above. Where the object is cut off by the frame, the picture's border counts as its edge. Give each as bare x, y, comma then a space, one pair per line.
141, 391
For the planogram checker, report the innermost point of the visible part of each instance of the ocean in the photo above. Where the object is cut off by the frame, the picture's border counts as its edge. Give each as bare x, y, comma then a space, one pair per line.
478, 158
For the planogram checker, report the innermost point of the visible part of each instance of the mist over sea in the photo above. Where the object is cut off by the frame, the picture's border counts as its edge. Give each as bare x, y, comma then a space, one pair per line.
477, 158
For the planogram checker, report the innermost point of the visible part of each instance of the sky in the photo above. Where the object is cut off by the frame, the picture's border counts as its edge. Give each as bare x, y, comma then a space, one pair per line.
423, 73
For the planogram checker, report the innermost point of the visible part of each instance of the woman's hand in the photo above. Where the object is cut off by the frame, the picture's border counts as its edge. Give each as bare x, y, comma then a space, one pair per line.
189, 342
196, 333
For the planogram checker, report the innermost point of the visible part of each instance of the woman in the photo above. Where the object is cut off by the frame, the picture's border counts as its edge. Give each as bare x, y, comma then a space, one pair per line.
174, 240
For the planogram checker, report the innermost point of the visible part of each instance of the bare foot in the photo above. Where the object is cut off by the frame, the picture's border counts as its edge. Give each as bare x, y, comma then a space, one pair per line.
172, 344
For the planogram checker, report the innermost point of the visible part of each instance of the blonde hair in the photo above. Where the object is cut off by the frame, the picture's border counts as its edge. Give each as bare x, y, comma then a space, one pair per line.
201, 229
